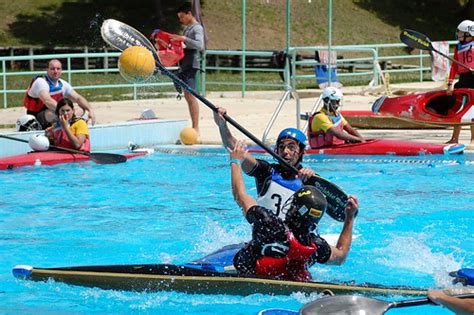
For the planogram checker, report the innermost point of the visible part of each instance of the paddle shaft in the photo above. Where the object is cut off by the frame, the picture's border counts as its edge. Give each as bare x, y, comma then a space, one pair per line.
452, 59
51, 146
418, 40
231, 121
424, 301
100, 158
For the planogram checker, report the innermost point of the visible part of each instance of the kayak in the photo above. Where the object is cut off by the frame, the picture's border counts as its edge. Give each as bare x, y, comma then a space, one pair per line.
383, 147
366, 119
434, 107
48, 158
212, 274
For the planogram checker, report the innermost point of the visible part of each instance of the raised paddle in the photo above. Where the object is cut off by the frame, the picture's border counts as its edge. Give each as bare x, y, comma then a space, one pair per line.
354, 304
99, 158
121, 36
418, 40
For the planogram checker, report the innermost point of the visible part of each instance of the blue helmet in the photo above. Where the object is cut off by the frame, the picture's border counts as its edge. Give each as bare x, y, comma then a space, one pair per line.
293, 133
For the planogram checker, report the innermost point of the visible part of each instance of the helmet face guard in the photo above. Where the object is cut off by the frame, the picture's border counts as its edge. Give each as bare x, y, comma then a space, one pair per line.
27, 123
332, 98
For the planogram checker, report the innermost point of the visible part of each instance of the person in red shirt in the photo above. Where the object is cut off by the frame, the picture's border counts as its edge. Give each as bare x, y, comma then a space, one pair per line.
464, 53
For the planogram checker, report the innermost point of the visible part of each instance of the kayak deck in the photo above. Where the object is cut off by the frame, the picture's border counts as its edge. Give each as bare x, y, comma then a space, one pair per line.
48, 158
166, 277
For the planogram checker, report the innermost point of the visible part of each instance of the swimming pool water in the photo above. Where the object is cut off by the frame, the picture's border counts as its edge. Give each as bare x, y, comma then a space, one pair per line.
415, 224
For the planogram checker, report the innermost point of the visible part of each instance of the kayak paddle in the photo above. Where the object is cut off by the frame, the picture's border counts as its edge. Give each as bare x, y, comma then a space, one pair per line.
418, 40
354, 304
99, 158
121, 36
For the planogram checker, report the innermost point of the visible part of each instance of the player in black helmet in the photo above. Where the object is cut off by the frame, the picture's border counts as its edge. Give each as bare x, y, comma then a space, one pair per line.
285, 249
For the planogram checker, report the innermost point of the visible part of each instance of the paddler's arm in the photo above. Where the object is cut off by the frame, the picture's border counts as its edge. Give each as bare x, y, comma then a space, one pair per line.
244, 200
47, 100
457, 305
345, 135
340, 251
229, 141
353, 132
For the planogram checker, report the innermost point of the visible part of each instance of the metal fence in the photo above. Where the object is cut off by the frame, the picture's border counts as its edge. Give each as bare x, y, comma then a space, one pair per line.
354, 62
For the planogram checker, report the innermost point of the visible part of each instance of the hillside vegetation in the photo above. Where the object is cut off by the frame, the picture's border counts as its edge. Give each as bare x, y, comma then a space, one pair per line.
76, 22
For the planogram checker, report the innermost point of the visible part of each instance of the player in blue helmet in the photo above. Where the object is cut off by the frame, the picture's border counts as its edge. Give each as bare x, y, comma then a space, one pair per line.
275, 183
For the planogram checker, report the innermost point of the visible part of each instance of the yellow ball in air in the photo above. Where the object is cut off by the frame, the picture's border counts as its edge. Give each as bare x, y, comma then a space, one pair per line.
136, 64
188, 136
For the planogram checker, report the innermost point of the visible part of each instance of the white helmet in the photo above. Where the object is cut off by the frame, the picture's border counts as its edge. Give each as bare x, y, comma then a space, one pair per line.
332, 93
39, 142
466, 26
27, 123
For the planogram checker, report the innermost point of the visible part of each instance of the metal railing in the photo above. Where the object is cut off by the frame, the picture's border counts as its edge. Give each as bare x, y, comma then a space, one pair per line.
297, 72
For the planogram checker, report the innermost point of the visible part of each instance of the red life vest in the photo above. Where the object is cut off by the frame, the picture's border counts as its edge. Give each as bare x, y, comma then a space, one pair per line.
465, 54
291, 267
35, 105
170, 52
61, 139
319, 139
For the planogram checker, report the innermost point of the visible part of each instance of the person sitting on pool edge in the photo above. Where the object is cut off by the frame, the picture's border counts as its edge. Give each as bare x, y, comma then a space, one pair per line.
284, 249
328, 127
69, 132
275, 183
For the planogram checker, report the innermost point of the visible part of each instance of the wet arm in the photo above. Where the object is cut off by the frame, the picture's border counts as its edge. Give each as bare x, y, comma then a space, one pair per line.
341, 250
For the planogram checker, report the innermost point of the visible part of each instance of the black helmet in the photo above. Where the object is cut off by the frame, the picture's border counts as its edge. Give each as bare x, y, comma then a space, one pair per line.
308, 206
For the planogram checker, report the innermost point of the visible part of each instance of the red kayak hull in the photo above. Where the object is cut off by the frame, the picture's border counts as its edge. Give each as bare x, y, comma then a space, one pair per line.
385, 147
434, 107
47, 158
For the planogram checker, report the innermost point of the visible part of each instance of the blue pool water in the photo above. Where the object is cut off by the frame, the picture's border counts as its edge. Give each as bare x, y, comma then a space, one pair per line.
415, 224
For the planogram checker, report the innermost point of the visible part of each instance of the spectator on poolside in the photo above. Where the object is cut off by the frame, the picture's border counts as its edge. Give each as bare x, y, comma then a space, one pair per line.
275, 183
69, 131
284, 249
45, 91
457, 305
464, 53
328, 127
193, 39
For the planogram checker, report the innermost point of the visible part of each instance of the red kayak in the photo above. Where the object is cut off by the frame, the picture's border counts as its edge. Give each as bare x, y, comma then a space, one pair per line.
435, 107
384, 147
48, 158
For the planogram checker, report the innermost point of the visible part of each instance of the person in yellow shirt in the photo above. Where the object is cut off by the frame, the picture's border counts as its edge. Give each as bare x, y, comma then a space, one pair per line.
328, 127
69, 131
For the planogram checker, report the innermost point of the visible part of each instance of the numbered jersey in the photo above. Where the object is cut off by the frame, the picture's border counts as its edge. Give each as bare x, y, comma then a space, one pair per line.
464, 53
273, 190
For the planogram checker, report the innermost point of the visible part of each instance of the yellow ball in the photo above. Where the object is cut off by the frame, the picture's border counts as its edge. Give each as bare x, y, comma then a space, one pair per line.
136, 64
188, 136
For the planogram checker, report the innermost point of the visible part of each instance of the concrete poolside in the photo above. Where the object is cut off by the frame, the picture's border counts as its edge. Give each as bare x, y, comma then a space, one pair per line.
255, 110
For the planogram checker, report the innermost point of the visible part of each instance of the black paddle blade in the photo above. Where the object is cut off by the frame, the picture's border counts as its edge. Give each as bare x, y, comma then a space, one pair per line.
415, 39
107, 158
335, 196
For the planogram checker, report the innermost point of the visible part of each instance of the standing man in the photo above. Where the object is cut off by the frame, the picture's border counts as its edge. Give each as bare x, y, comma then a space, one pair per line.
193, 39
44, 93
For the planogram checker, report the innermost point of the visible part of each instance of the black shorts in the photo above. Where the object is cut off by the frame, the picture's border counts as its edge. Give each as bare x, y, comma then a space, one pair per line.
189, 77
466, 80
